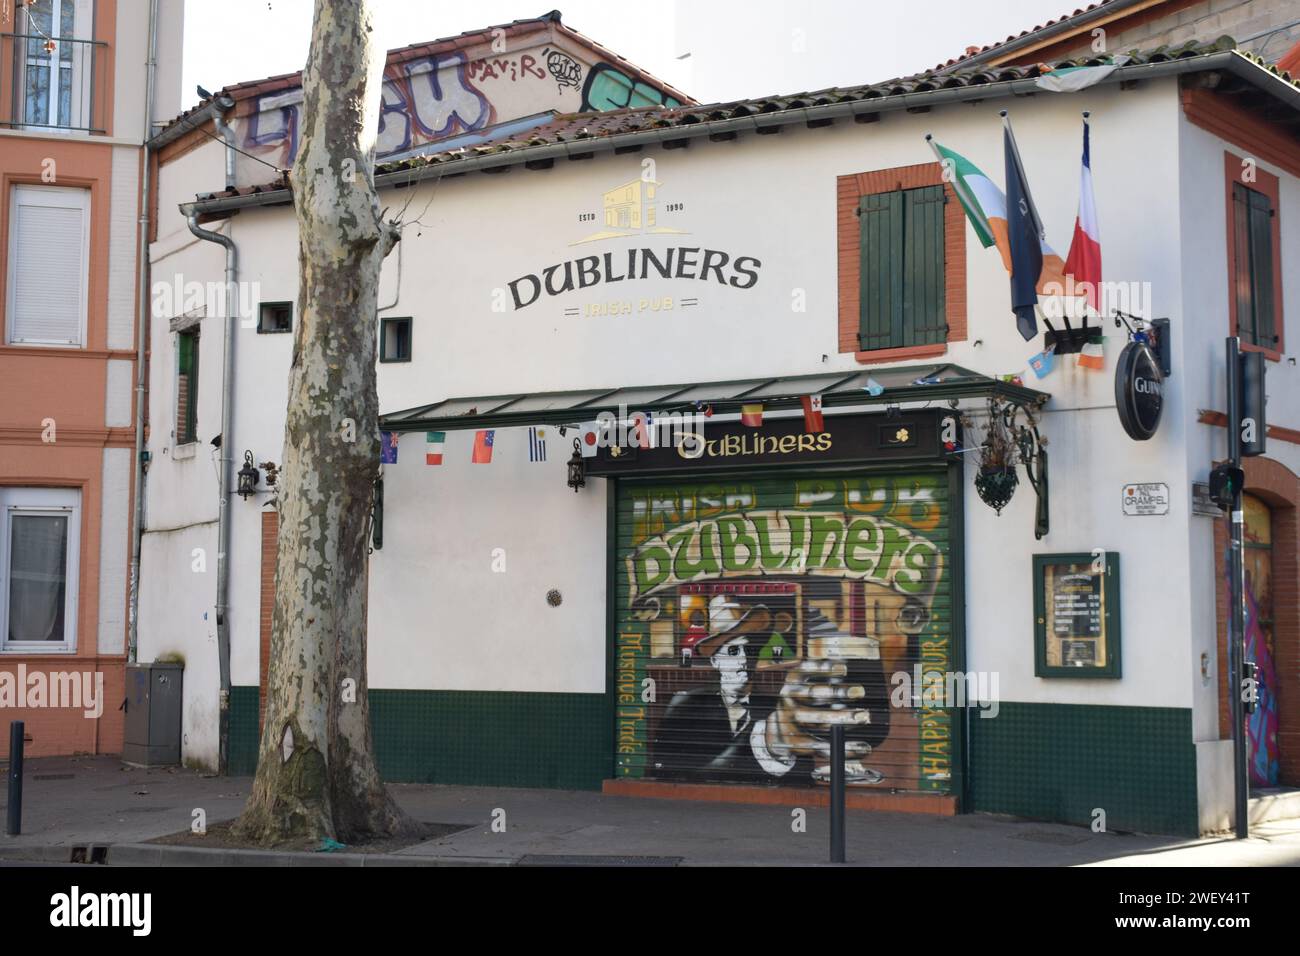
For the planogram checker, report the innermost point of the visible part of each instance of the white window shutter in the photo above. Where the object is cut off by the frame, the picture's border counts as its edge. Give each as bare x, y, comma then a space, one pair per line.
49, 249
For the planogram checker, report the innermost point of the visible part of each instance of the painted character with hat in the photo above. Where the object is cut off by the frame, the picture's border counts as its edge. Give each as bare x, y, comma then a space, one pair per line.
736, 731
708, 729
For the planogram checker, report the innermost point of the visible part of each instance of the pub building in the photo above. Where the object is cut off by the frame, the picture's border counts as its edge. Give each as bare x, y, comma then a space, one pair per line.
707, 428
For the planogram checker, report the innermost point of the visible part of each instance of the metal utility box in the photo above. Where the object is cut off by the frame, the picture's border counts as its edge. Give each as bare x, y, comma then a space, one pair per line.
152, 735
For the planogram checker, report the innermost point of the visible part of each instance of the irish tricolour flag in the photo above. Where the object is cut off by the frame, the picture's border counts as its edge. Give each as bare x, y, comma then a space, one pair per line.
986, 208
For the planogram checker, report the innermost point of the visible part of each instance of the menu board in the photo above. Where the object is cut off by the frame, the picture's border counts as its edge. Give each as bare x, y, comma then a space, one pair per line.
1072, 606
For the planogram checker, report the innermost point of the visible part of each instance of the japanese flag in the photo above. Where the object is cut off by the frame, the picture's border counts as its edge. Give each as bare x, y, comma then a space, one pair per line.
589, 439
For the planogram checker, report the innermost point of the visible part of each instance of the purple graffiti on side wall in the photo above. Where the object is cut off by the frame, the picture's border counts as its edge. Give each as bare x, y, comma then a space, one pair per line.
1262, 725
431, 100
427, 99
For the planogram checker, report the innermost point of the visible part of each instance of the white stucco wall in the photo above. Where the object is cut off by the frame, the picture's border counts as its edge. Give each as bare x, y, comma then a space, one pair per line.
772, 198
1203, 238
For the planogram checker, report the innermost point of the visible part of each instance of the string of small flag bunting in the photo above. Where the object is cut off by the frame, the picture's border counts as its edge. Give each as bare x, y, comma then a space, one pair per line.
590, 433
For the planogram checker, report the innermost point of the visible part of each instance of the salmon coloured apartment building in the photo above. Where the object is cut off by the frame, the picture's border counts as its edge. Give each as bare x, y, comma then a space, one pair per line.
76, 84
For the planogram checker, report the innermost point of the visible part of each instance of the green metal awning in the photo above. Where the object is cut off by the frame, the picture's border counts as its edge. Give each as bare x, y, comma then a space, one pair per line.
912, 383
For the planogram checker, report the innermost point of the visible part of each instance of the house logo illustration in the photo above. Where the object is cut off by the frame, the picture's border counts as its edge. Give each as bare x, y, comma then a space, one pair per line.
630, 209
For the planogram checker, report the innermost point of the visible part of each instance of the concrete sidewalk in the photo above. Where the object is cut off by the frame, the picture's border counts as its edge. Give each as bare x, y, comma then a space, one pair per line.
72, 802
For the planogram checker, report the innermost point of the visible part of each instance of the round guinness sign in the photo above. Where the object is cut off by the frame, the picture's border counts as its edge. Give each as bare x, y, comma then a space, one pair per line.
1139, 391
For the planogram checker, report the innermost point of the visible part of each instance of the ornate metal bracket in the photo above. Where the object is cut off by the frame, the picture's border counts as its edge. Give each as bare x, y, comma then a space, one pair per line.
1033, 455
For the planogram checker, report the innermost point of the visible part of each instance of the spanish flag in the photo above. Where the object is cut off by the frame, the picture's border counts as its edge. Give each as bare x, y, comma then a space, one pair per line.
752, 415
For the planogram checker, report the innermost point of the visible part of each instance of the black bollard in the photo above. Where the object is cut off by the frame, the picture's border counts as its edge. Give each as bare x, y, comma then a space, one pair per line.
14, 822
837, 793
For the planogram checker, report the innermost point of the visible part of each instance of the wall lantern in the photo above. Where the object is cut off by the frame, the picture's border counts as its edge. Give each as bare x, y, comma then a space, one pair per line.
248, 477
577, 470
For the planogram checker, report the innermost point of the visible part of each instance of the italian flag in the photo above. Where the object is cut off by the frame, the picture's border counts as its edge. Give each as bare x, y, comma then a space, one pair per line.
1084, 260
986, 209
433, 442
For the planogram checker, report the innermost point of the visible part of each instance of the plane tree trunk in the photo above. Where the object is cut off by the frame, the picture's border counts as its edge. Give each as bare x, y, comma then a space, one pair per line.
316, 775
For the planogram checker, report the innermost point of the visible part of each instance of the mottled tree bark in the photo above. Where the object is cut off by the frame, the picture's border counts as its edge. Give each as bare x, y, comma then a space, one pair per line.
316, 775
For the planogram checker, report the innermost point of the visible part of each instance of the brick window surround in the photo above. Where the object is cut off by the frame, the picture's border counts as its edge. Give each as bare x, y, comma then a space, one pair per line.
1275, 485
849, 192
270, 557
1266, 183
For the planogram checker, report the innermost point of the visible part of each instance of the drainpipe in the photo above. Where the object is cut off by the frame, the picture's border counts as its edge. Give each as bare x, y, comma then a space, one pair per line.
225, 104
223, 483
141, 343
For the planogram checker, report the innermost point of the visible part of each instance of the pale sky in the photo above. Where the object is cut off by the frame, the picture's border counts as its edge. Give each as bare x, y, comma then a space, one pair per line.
737, 48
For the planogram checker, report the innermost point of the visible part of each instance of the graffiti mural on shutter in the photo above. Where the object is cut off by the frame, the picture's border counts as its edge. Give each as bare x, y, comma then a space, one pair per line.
752, 615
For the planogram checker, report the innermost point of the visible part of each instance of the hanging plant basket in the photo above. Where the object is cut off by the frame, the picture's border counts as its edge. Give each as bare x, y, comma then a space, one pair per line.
996, 480
996, 484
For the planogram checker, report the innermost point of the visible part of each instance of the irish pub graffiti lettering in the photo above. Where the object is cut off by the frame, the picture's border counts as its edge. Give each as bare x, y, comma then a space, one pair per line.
784, 542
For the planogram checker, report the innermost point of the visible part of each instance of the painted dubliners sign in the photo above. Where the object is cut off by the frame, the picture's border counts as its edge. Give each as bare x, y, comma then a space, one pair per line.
679, 262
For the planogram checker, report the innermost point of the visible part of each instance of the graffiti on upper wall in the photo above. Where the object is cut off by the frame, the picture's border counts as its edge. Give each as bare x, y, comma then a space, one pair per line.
506, 68
762, 614
565, 69
432, 99
422, 100
609, 88
444, 95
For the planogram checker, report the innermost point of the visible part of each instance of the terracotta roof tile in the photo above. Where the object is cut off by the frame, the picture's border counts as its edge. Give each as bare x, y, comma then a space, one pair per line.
575, 127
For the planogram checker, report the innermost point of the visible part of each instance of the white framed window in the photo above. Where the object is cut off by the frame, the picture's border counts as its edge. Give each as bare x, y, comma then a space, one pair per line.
49, 264
54, 64
40, 543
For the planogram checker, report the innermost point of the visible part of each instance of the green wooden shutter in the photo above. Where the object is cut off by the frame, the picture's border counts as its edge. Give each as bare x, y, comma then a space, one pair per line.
901, 279
881, 275
1252, 237
187, 386
1261, 268
1241, 253
924, 321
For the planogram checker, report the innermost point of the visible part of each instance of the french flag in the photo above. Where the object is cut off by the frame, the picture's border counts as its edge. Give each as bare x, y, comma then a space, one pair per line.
1084, 260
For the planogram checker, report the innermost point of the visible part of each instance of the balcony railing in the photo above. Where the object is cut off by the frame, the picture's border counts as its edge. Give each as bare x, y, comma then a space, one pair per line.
53, 83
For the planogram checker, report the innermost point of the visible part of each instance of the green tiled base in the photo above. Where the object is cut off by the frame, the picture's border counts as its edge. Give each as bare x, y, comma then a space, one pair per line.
492, 738
1060, 761
486, 738
244, 704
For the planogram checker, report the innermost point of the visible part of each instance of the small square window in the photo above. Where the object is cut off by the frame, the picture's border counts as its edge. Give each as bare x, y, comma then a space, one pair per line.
275, 317
395, 340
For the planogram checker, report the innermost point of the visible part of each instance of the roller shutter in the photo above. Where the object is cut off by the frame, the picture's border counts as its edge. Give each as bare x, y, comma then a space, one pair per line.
752, 614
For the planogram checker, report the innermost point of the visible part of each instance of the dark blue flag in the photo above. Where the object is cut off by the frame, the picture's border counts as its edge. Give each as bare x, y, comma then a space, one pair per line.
1025, 236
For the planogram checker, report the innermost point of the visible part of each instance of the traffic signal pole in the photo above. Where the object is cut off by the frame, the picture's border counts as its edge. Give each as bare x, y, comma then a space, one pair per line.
1237, 599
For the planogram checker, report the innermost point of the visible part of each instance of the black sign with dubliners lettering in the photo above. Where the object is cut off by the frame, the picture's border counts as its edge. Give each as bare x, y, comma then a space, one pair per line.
860, 438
